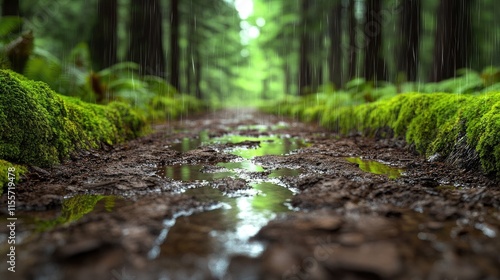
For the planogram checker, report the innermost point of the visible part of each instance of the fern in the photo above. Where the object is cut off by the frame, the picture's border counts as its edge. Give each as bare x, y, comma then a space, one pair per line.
159, 86
8, 26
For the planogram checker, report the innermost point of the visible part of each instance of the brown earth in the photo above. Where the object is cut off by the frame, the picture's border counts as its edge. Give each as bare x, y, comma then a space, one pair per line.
434, 221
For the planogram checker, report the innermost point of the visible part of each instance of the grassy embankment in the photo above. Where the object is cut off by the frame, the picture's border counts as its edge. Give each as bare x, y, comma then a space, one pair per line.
40, 127
463, 129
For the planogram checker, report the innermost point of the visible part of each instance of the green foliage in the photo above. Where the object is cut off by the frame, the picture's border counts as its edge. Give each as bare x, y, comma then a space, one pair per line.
467, 81
41, 127
9, 28
9, 25
462, 128
165, 107
311, 107
152, 96
4, 168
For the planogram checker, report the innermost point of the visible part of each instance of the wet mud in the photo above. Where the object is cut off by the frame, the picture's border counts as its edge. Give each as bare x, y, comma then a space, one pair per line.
237, 194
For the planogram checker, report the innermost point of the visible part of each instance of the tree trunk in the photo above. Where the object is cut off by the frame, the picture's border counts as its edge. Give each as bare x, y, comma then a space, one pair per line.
146, 39
103, 43
410, 26
352, 55
174, 44
305, 67
189, 70
453, 39
335, 56
288, 77
10, 8
198, 75
375, 68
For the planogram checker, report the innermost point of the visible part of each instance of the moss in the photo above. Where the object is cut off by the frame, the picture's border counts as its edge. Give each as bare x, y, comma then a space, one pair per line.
462, 128
4, 170
42, 128
487, 134
172, 107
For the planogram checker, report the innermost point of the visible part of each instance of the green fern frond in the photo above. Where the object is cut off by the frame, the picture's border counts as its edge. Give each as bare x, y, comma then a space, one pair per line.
9, 25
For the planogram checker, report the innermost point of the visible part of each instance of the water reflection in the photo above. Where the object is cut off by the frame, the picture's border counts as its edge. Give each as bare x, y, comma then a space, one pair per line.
191, 173
76, 207
267, 145
263, 145
220, 233
245, 165
376, 167
188, 144
225, 231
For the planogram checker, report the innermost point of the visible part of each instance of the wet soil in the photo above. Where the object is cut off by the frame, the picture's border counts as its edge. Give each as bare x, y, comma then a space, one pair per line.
238, 194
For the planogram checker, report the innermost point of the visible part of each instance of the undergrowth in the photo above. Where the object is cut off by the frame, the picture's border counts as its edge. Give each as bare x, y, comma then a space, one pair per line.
461, 128
40, 127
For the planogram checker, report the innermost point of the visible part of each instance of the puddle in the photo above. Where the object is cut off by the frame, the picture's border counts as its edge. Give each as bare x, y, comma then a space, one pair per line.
263, 127
261, 146
376, 167
76, 207
220, 233
264, 145
258, 127
188, 144
191, 173
242, 165
72, 210
248, 148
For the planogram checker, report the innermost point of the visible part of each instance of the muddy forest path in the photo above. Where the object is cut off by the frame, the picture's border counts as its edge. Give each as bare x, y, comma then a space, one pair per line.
238, 194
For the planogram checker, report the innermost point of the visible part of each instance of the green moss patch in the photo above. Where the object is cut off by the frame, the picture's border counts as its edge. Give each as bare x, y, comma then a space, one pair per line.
463, 129
5, 166
40, 127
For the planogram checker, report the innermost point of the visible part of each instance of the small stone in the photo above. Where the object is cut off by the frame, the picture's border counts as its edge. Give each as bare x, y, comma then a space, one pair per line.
380, 258
79, 247
351, 239
327, 223
434, 225
322, 222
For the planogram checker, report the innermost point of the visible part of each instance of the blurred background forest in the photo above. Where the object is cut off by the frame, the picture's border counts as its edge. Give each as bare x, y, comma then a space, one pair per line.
233, 52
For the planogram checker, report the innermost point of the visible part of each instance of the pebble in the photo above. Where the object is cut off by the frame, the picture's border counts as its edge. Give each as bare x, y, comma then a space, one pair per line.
351, 239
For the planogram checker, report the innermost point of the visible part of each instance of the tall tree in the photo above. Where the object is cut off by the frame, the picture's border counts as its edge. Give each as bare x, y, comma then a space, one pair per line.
19, 50
283, 16
352, 49
335, 54
193, 67
146, 37
174, 44
410, 26
453, 39
104, 40
10, 8
374, 67
305, 67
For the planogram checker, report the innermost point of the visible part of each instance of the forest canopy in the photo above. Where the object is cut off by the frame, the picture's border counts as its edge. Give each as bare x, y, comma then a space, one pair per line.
246, 51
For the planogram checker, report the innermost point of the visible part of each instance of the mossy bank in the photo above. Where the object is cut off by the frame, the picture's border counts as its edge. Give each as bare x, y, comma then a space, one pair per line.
459, 128
40, 127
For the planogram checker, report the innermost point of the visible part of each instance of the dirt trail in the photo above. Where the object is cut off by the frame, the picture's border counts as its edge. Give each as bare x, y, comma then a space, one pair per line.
275, 199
